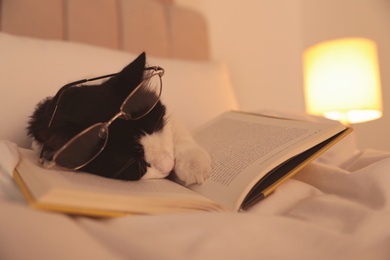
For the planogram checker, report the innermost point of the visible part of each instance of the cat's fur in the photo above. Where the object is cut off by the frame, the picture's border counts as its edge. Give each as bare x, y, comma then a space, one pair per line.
150, 147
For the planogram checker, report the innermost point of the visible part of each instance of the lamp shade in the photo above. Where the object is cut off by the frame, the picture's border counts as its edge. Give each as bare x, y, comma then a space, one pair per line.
341, 79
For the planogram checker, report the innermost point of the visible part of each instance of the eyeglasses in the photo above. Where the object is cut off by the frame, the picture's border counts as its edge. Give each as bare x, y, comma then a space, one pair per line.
88, 144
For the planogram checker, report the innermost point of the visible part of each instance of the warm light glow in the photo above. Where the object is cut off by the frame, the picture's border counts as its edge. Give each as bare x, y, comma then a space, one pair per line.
342, 80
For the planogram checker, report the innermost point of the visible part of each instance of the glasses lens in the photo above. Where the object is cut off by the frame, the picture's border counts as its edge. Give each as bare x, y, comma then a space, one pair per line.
83, 148
144, 98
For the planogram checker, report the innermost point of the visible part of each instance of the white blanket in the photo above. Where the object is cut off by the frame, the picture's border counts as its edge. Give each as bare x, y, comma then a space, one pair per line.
325, 212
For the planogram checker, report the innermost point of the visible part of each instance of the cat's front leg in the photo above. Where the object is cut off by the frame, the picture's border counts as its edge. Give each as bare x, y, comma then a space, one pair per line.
158, 152
192, 162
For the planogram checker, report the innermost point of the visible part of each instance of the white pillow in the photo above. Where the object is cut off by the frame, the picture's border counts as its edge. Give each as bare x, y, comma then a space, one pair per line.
32, 69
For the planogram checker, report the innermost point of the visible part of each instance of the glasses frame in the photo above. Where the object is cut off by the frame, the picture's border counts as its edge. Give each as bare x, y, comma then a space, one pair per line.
156, 71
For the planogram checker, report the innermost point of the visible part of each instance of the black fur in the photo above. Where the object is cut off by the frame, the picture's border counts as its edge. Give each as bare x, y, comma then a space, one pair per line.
82, 106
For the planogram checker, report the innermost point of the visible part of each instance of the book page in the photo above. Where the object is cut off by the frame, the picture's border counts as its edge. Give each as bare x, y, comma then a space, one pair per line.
244, 147
78, 189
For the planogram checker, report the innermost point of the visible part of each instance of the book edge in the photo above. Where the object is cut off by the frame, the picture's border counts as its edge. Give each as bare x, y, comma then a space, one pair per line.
205, 205
270, 189
64, 209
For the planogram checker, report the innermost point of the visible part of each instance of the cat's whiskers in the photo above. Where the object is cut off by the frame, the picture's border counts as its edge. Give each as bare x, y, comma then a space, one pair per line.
160, 122
127, 164
142, 167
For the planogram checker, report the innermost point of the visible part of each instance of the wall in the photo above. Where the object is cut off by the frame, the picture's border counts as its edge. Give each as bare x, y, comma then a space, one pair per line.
262, 42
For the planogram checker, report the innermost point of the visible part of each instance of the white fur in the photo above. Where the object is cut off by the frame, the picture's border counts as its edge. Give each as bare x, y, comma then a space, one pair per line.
175, 148
158, 149
36, 146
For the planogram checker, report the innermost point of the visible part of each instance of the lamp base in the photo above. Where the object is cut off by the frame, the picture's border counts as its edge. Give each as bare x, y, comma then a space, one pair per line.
353, 116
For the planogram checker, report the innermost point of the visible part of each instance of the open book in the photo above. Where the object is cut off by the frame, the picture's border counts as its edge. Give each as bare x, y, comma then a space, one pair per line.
251, 155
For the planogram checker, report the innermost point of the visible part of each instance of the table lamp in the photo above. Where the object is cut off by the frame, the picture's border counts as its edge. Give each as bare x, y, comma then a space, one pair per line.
341, 80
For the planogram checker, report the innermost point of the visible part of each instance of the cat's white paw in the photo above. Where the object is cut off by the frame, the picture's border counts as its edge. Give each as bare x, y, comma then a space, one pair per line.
158, 151
193, 165
160, 166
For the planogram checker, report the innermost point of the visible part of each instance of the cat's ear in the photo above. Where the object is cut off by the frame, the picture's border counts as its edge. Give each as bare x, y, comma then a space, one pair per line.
127, 79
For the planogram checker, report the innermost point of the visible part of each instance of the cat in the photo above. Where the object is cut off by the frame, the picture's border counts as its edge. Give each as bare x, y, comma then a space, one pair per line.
154, 146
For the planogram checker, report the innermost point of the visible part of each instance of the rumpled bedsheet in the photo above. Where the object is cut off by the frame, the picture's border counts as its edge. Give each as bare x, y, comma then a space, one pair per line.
327, 211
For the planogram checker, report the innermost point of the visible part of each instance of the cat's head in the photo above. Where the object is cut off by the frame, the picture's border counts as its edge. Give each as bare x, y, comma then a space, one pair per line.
81, 106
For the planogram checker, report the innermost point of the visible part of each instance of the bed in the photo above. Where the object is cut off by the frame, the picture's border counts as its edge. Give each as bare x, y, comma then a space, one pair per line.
338, 207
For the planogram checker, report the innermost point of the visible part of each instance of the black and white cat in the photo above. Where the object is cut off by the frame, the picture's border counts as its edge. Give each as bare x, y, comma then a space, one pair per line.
150, 147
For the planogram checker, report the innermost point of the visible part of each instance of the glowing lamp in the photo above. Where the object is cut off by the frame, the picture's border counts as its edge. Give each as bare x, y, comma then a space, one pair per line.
342, 82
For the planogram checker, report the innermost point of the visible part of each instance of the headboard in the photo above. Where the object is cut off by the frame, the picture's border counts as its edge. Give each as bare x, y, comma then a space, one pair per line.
158, 27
